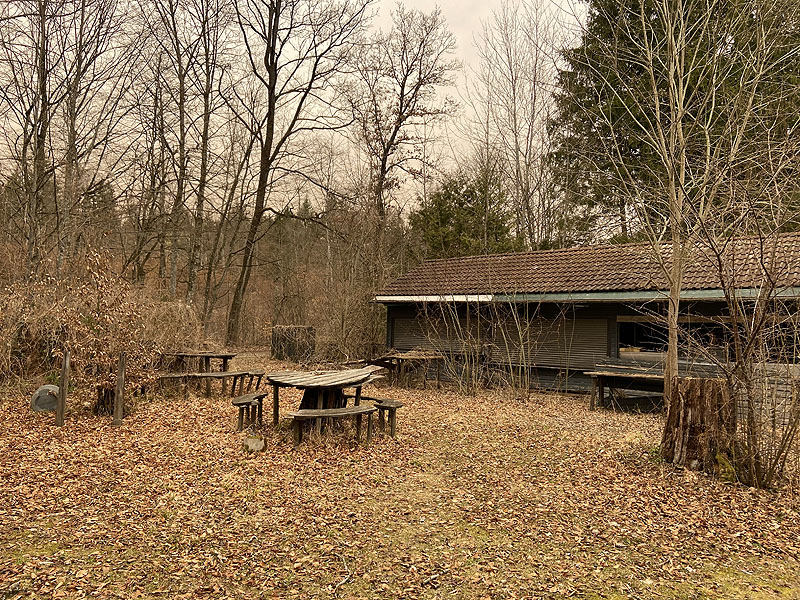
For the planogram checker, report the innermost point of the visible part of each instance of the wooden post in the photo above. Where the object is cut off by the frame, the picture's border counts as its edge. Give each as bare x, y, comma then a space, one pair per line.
119, 393
275, 405
392, 421
61, 403
318, 424
601, 391
357, 399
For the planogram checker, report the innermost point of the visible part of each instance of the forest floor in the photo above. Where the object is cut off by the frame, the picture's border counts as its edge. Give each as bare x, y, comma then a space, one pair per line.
478, 497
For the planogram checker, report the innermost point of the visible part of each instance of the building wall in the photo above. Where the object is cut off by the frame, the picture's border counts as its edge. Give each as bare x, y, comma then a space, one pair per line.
558, 343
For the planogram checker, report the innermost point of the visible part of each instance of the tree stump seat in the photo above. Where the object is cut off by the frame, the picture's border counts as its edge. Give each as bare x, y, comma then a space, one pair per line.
299, 416
251, 409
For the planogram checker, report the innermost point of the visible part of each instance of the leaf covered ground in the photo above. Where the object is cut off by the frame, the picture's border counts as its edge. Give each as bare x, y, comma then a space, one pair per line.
477, 497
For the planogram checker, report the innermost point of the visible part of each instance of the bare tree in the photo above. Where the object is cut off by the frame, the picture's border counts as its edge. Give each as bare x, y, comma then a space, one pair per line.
400, 76
512, 101
295, 50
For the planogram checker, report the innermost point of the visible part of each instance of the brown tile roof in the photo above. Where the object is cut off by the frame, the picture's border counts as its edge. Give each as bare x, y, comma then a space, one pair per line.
625, 267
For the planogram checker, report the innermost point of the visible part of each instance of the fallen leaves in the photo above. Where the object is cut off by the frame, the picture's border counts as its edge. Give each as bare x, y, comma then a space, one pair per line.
494, 500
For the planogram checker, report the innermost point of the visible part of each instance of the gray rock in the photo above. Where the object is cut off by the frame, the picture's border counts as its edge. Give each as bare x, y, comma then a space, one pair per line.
45, 399
254, 444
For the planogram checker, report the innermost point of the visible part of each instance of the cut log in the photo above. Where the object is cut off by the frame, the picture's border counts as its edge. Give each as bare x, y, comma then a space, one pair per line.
701, 423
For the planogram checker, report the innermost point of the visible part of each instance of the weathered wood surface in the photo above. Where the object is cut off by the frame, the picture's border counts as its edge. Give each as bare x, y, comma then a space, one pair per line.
622, 374
202, 375
347, 411
318, 415
119, 392
250, 409
61, 404
200, 354
322, 379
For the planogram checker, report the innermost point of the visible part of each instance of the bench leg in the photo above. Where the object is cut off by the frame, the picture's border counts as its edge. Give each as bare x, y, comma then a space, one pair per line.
297, 431
358, 428
392, 421
593, 397
224, 385
381, 420
275, 405
249, 383
260, 412
369, 428
240, 421
318, 423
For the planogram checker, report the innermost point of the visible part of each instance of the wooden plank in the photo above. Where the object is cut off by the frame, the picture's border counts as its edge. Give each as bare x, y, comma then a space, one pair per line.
119, 392
61, 402
275, 405
310, 413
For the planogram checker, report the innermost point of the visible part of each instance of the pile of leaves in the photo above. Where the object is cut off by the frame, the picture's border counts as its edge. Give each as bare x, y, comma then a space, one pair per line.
477, 497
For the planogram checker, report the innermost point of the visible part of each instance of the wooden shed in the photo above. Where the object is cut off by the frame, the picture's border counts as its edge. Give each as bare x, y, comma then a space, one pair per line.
558, 313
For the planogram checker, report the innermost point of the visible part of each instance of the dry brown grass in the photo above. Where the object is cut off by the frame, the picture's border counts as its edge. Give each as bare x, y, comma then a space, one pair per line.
479, 497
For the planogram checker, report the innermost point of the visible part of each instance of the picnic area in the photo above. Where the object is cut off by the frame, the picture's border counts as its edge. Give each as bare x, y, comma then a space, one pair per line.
477, 496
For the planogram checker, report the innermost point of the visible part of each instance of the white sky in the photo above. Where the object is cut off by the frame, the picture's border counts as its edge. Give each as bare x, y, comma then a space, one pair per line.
464, 18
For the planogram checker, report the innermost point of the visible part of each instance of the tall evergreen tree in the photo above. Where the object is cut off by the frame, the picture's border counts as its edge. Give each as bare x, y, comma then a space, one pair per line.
466, 216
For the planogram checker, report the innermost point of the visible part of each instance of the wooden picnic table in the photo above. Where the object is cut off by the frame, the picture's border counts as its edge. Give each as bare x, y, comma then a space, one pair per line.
322, 389
204, 358
403, 362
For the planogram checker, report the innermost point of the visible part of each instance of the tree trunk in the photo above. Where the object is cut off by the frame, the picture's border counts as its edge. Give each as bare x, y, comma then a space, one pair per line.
701, 423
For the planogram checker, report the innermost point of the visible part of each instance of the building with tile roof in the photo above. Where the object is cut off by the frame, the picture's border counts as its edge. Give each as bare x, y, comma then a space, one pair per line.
561, 312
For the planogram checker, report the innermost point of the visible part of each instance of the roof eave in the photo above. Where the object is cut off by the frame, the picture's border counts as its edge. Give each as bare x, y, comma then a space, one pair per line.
602, 296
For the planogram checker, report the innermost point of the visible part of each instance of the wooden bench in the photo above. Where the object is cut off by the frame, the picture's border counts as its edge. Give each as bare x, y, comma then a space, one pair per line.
251, 407
208, 377
645, 377
385, 405
358, 412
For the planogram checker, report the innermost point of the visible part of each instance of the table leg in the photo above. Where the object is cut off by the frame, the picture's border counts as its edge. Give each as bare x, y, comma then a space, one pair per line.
392, 421
260, 412
225, 387
275, 405
318, 422
357, 399
369, 428
225, 364
358, 428
206, 364
381, 420
601, 391
297, 428
240, 422
594, 393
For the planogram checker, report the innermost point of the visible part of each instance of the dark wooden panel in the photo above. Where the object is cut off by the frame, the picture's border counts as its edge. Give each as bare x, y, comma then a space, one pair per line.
563, 343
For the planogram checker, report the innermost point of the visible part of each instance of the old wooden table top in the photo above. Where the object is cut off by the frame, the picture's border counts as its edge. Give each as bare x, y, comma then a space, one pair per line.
322, 379
200, 354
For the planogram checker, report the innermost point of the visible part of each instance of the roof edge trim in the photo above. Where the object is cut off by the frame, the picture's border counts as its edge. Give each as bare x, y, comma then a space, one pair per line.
630, 296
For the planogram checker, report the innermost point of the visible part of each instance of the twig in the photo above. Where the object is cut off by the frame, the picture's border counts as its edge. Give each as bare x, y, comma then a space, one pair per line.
345, 580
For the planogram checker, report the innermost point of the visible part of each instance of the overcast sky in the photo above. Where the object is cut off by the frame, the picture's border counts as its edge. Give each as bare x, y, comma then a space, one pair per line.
463, 17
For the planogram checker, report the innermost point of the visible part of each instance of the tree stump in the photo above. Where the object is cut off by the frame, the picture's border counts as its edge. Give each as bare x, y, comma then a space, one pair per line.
293, 342
701, 424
